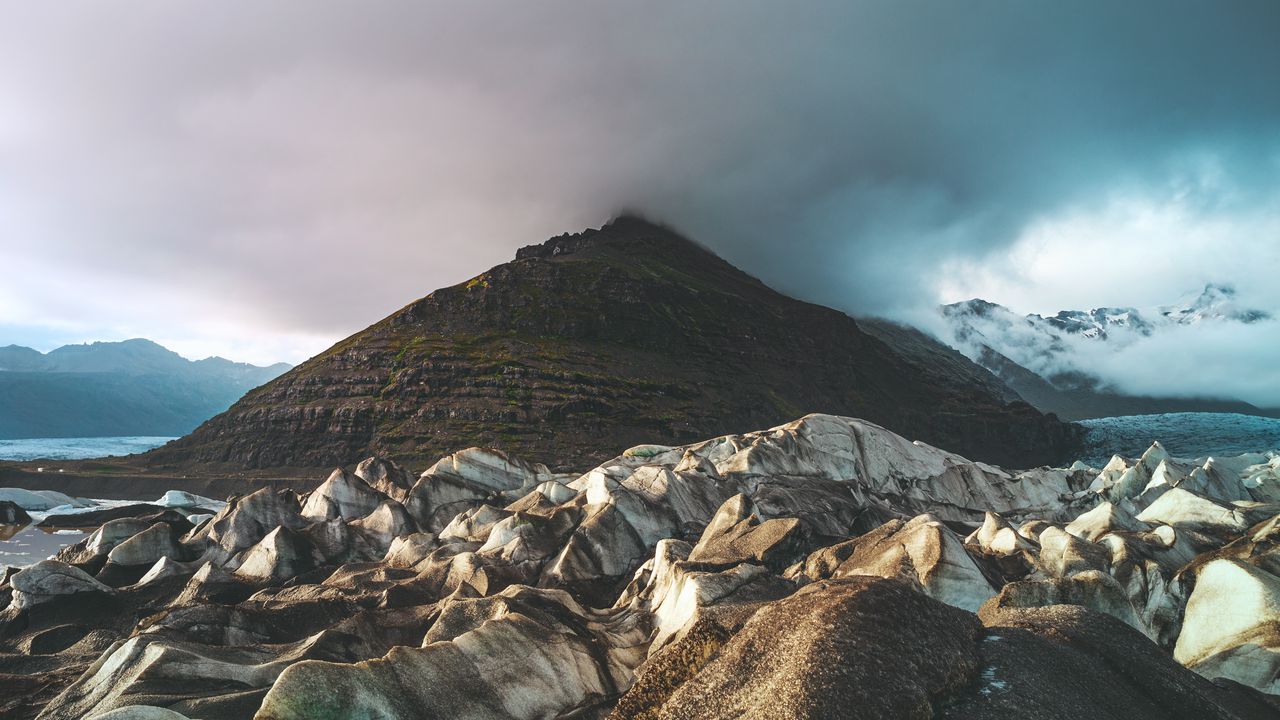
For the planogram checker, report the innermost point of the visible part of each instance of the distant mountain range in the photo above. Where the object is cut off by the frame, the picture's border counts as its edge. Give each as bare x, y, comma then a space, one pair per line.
134, 387
593, 342
1045, 359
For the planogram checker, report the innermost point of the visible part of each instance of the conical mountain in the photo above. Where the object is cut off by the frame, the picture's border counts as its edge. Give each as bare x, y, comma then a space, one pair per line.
589, 343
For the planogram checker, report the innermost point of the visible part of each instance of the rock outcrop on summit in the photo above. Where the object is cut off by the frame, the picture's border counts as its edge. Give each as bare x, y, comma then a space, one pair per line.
609, 338
825, 568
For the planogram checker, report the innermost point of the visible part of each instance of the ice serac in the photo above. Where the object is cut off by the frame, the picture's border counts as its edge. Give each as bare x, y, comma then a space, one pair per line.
1232, 625
921, 552
998, 536
145, 548
537, 655
50, 580
386, 476
343, 495
626, 335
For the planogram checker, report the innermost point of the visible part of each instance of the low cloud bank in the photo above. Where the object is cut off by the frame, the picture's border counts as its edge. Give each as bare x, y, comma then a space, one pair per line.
1218, 360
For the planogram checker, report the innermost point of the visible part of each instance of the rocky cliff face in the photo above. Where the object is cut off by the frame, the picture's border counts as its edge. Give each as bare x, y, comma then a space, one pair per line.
606, 338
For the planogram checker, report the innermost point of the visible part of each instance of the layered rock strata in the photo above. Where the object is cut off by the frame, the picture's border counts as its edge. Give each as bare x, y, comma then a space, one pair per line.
600, 340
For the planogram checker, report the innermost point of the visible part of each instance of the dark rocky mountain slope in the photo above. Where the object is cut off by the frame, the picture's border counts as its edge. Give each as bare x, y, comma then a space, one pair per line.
606, 338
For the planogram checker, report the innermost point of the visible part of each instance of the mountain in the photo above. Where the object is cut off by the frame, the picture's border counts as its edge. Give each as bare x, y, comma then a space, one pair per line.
1214, 303
603, 339
135, 357
941, 363
134, 387
1046, 359
18, 358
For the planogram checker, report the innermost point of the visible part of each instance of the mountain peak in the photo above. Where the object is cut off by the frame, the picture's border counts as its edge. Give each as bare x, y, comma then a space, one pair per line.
648, 252
627, 232
135, 355
974, 306
1217, 301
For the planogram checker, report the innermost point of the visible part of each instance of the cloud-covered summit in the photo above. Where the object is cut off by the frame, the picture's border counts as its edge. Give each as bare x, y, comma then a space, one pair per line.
258, 180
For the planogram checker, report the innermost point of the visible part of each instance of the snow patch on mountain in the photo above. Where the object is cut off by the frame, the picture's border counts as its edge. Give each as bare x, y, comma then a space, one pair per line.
1215, 302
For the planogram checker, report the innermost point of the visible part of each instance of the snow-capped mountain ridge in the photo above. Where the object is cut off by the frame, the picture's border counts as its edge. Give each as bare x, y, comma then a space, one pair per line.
1055, 361
1215, 302
1095, 323
977, 321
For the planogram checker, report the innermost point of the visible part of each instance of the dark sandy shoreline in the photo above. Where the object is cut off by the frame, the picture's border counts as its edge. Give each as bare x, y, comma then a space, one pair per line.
128, 484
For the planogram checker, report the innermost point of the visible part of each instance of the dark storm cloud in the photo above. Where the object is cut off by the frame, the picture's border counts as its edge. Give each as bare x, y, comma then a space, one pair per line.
228, 175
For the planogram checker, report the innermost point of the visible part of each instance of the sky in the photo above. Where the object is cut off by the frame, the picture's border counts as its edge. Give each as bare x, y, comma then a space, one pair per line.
259, 180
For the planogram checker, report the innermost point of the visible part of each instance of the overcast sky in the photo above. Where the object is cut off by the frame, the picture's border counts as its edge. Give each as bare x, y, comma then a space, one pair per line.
258, 180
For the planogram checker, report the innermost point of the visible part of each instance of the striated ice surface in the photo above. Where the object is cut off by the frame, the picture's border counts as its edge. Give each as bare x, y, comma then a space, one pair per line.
1186, 435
